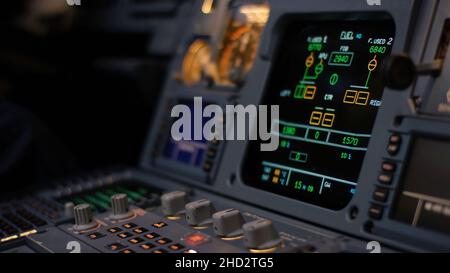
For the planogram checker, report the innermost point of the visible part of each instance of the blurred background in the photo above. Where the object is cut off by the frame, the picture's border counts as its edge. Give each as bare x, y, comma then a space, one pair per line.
78, 84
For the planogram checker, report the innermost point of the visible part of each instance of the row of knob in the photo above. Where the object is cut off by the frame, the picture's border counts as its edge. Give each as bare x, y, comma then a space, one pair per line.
83, 213
227, 224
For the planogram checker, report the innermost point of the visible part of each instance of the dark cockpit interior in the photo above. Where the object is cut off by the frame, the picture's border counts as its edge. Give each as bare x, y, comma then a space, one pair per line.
224, 126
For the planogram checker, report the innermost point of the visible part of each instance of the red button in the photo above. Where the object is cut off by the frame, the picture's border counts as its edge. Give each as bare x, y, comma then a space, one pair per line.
195, 239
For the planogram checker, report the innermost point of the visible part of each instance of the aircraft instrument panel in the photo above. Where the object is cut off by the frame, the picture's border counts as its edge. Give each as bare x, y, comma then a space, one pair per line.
363, 151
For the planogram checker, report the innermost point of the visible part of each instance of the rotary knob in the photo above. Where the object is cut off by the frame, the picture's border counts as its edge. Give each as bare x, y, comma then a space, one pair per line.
228, 223
83, 217
173, 203
199, 213
120, 207
260, 235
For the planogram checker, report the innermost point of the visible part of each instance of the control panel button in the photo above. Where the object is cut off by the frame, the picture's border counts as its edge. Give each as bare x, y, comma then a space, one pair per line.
115, 246
152, 235
228, 223
129, 225
388, 167
260, 234
136, 240
160, 251
381, 195
159, 225
114, 230
207, 166
140, 230
199, 213
212, 152
376, 212
173, 203
176, 247
385, 179
127, 251
395, 141
195, 239
393, 149
163, 241
124, 235
95, 235
147, 246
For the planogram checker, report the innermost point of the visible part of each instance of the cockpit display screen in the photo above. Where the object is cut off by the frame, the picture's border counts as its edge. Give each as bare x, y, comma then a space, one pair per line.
326, 79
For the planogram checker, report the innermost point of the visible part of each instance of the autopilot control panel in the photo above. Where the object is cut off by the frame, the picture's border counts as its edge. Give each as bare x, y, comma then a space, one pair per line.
363, 90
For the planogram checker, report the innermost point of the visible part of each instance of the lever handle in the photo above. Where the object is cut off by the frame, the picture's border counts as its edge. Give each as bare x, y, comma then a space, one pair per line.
400, 72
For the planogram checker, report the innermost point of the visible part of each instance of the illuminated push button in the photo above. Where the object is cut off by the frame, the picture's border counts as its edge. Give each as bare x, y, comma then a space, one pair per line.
176, 247
136, 240
120, 207
163, 241
159, 225
381, 195
199, 213
124, 235
95, 235
260, 235
159, 251
173, 203
147, 246
152, 235
114, 230
83, 218
376, 212
127, 251
395, 141
393, 149
140, 230
195, 239
388, 167
228, 223
385, 179
129, 225
115, 246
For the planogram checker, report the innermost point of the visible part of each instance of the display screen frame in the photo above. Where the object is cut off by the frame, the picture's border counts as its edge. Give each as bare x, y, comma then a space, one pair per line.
182, 170
275, 49
402, 184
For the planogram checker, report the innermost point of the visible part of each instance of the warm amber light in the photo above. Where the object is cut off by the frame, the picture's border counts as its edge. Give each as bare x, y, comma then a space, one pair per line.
27, 233
269, 250
9, 238
207, 6
258, 14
